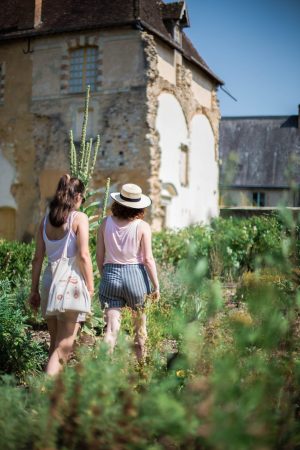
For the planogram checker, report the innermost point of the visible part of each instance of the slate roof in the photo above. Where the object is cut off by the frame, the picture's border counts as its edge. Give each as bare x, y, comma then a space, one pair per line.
17, 20
173, 11
267, 151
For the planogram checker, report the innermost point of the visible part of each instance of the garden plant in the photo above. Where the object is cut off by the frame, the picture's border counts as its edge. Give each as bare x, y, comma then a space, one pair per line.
222, 369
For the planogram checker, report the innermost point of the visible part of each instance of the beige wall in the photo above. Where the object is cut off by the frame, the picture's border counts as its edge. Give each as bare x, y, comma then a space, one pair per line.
165, 62
46, 67
123, 60
201, 86
168, 58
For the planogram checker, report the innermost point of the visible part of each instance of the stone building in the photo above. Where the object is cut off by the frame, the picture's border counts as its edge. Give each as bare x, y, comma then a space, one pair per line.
260, 162
153, 101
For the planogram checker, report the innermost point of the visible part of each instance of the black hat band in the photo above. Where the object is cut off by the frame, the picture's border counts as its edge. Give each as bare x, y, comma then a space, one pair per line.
126, 199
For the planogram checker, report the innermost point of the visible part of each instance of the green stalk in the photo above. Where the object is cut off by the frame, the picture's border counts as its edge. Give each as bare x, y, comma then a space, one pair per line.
103, 215
83, 133
92, 167
73, 155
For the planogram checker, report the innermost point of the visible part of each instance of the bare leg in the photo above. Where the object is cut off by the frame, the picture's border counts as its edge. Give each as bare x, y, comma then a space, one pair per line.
66, 333
113, 324
140, 334
52, 328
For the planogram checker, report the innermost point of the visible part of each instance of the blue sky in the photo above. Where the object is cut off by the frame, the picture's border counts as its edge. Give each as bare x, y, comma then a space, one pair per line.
254, 46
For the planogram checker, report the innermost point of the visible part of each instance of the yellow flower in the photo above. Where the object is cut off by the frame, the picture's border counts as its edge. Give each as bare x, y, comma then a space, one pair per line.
180, 373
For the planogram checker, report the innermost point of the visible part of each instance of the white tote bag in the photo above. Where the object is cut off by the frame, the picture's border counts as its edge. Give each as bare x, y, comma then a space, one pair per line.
68, 291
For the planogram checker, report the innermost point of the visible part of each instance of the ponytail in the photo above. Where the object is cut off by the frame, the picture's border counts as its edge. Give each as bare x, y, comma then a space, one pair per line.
64, 199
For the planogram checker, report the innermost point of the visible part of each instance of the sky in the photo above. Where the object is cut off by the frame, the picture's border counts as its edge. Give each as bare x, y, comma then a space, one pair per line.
254, 47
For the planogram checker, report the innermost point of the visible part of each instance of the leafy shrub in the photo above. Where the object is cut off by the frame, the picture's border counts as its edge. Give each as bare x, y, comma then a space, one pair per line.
170, 247
234, 378
231, 246
15, 261
19, 354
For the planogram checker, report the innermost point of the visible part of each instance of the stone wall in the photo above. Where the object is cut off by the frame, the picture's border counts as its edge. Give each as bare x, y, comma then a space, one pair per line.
184, 92
37, 115
38, 112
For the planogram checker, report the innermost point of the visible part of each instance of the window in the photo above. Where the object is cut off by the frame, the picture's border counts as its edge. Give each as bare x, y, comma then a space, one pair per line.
258, 199
83, 69
184, 165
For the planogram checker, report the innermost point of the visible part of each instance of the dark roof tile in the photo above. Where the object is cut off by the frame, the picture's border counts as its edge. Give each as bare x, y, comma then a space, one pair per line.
266, 150
172, 11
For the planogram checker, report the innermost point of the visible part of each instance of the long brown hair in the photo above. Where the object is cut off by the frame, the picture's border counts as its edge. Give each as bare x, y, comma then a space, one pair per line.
64, 199
123, 212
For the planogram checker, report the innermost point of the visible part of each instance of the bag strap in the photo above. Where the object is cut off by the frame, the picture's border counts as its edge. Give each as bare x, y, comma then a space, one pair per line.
45, 223
71, 218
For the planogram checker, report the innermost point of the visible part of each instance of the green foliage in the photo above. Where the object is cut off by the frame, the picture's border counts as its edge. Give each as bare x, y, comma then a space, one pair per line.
19, 354
83, 161
15, 261
219, 374
231, 246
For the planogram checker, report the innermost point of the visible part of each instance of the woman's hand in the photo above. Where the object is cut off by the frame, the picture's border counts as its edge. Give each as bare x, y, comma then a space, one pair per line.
155, 295
91, 292
34, 300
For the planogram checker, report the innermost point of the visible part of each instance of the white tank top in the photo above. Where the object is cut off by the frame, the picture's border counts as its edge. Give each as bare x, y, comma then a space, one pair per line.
55, 248
121, 243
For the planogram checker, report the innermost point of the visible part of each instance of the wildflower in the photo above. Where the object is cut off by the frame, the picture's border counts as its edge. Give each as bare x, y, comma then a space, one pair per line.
180, 373
229, 250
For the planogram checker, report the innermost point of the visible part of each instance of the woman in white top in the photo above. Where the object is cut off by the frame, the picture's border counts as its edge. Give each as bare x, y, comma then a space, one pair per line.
125, 260
62, 222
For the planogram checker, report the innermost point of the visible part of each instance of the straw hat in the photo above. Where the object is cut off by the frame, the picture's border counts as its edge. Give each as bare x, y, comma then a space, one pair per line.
131, 196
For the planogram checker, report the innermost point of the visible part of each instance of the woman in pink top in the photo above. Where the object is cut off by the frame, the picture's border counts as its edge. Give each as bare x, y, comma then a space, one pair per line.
63, 222
125, 261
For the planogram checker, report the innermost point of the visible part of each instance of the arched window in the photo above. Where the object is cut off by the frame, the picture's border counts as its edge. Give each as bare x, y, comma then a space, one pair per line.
83, 69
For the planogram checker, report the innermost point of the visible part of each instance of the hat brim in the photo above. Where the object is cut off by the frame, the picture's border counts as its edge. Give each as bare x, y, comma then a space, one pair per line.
144, 202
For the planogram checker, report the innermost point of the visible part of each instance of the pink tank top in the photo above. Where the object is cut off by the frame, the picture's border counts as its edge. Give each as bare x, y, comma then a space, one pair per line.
55, 248
121, 243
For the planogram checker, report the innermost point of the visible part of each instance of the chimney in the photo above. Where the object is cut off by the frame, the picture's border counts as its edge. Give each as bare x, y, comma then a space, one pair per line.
38, 13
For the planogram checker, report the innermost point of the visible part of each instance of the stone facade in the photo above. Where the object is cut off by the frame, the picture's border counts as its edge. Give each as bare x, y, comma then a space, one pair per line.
133, 69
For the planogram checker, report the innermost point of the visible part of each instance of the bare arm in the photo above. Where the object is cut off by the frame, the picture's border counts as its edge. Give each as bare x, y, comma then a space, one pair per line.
37, 263
149, 262
100, 251
83, 252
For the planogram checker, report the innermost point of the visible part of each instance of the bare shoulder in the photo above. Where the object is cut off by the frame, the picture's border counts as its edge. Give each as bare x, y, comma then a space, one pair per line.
80, 219
102, 225
81, 216
145, 227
